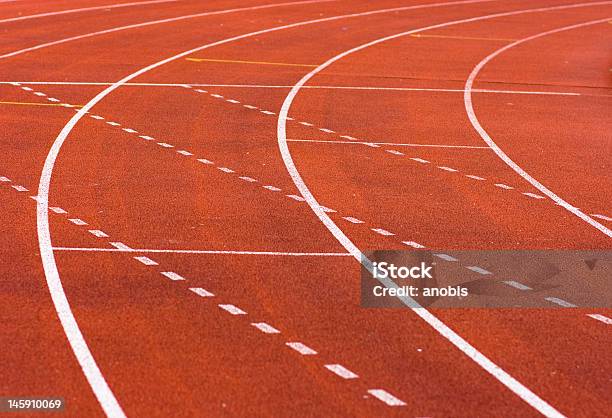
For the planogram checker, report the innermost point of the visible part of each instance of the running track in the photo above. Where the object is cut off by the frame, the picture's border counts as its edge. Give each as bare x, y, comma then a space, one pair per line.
186, 186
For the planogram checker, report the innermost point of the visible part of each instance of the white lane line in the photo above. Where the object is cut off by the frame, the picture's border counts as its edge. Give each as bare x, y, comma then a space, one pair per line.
326, 209
185, 153
341, 371
165, 145
467, 99
4, 179
460, 343
601, 318
98, 233
250, 107
173, 276
267, 112
296, 197
27, 88
419, 160
78, 221
146, 261
475, 177
560, 302
535, 196
53, 99
199, 90
57, 210
232, 101
84, 9
146, 137
446, 257
604, 217
413, 244
452, 170
272, 188
120, 247
371, 145
40, 94
352, 220
517, 285
479, 270
395, 152
232, 309
306, 123
249, 179
350, 138
97, 117
386, 397
226, 170
113, 123
201, 292
301, 348
130, 130
265, 328
19, 188
205, 161
217, 96
504, 186
327, 131
35, 198
383, 232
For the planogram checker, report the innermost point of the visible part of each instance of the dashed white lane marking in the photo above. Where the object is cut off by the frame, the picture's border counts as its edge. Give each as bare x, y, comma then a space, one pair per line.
479, 270
504, 186
413, 244
226, 170
78, 221
217, 96
130, 130
165, 145
147, 137
201, 91
20, 188
419, 160
35, 198
604, 217
232, 309
27, 88
113, 123
39, 94
517, 285
120, 246
301, 348
446, 257
146, 261
306, 123
326, 209
560, 302
4, 179
272, 188
533, 195
53, 99
386, 397
452, 170
475, 177
251, 107
267, 112
265, 328
352, 220
383, 232
350, 138
185, 153
327, 131
249, 179
57, 210
395, 152
97, 117
341, 371
201, 292
173, 276
232, 101
296, 197
98, 233
205, 161
601, 318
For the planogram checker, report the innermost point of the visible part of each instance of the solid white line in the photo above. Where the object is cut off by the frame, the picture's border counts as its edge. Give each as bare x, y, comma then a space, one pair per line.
341, 371
560, 302
265, 328
469, 107
120, 247
517, 285
201, 292
386, 397
601, 318
301, 348
498, 373
287, 87
173, 276
84, 9
234, 310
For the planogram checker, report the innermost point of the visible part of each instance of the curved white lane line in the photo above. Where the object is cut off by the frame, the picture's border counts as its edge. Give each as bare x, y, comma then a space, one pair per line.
156, 22
467, 99
91, 370
84, 9
501, 375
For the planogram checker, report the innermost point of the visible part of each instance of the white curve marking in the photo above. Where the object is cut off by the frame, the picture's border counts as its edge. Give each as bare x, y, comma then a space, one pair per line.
469, 108
501, 375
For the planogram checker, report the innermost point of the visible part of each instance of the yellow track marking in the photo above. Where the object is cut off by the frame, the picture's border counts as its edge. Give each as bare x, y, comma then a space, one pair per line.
470, 38
286, 64
34, 104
